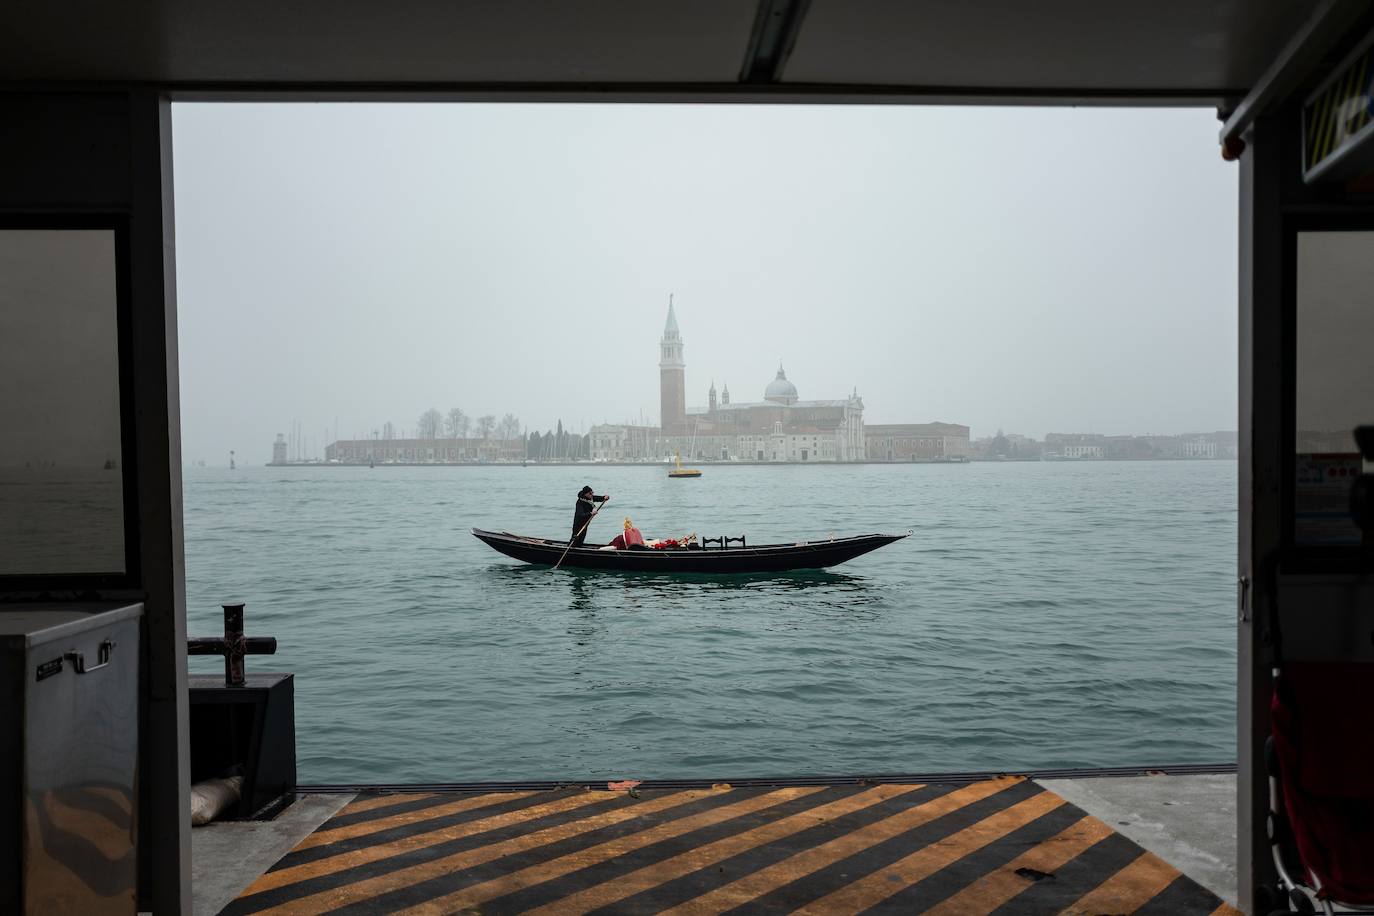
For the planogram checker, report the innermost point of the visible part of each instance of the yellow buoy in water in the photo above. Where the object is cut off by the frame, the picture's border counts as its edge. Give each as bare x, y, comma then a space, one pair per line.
680, 471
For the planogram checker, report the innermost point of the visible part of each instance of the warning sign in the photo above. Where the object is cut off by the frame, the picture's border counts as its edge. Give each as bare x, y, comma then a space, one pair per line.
1338, 119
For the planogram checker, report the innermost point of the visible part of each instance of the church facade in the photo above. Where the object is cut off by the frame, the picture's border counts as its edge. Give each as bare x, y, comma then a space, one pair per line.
780, 427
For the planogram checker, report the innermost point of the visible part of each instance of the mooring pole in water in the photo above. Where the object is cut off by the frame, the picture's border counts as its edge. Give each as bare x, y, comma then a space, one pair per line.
234, 646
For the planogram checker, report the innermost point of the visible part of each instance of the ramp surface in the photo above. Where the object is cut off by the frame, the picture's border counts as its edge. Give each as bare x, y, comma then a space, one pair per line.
1001, 845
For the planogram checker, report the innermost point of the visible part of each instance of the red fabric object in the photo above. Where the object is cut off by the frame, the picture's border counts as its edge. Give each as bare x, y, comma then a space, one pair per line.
618, 542
632, 536
1323, 721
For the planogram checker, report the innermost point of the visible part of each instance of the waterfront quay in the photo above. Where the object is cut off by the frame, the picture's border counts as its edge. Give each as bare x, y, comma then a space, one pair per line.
589, 463
708, 462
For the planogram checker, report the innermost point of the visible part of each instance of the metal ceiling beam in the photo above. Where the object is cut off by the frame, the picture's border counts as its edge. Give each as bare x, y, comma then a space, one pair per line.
732, 93
776, 27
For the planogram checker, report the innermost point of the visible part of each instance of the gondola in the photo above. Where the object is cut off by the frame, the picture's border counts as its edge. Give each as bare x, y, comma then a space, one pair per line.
817, 554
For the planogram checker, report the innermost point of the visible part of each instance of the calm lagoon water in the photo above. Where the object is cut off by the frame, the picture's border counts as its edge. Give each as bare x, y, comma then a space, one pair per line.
1041, 615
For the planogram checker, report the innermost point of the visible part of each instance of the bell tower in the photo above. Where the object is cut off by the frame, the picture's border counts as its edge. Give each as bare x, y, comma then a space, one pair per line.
671, 373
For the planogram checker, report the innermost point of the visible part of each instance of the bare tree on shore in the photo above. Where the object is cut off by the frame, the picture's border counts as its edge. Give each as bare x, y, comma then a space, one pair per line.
508, 428
430, 424
485, 425
456, 424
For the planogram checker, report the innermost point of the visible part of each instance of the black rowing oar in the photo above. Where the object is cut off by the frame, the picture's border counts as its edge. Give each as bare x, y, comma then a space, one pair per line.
580, 530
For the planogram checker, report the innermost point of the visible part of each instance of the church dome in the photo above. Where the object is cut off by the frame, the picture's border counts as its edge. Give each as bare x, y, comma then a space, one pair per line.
780, 389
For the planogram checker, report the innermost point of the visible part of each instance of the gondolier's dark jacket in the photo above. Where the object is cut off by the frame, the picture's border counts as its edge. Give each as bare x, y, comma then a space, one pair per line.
582, 513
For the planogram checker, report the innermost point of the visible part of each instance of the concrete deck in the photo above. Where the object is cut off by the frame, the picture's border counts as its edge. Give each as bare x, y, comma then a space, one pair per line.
1188, 821
1156, 844
226, 857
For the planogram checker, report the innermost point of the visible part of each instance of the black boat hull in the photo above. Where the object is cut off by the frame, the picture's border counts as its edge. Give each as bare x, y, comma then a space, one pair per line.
766, 558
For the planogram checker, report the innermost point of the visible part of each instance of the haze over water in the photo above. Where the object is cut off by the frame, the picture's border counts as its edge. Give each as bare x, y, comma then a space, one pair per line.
1041, 615
1028, 269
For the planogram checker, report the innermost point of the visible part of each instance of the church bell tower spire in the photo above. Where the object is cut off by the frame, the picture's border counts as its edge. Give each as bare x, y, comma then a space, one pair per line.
671, 376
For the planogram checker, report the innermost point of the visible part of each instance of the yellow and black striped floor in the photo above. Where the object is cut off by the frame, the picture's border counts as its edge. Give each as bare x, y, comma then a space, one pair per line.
1001, 845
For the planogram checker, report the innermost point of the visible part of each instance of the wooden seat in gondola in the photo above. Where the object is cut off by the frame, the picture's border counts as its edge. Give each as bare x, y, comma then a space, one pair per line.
723, 541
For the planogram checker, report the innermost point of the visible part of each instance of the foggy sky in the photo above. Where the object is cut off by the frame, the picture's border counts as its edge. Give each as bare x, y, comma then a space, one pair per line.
1028, 269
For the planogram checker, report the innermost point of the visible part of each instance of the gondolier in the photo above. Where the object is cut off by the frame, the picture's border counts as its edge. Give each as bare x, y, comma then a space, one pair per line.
583, 512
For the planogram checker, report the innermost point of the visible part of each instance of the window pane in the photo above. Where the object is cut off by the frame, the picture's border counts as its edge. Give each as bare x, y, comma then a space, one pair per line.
61, 480
1335, 379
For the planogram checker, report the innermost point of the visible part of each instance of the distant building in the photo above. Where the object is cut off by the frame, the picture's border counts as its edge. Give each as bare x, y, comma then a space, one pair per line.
279, 450
1128, 448
1199, 447
424, 451
1228, 443
1075, 445
1090, 446
612, 442
781, 427
1164, 446
916, 441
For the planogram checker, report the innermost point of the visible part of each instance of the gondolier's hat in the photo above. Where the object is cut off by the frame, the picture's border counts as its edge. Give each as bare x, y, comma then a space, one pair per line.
584, 491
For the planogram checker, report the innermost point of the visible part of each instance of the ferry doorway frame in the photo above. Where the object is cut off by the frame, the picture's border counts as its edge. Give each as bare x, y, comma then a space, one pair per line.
1274, 573
139, 123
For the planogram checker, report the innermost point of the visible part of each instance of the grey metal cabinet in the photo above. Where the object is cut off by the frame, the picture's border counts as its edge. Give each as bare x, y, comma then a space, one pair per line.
68, 758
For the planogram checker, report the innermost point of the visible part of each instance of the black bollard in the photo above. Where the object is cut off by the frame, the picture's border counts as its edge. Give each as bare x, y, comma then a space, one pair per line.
234, 646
